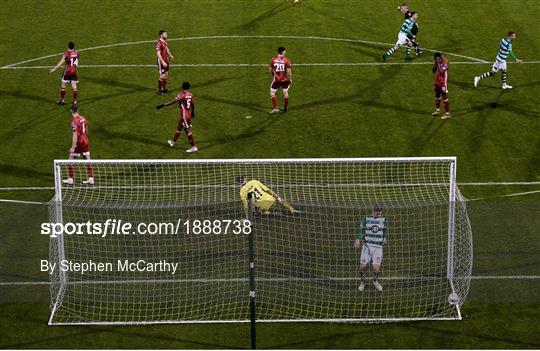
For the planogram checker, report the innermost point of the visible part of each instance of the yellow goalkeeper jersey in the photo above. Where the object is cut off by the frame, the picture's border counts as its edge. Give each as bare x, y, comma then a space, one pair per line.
263, 198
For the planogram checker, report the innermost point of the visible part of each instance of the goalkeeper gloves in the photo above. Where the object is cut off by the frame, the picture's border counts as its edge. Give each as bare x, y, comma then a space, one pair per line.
160, 106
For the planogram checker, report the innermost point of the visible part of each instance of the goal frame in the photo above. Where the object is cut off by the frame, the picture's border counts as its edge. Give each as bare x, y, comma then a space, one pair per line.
453, 196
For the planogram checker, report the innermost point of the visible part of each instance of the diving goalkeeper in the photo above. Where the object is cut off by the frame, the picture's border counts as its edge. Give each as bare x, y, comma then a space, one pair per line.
263, 197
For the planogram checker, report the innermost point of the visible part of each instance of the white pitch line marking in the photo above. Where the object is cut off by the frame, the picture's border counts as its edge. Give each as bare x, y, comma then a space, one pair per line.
524, 193
225, 65
239, 37
23, 202
218, 280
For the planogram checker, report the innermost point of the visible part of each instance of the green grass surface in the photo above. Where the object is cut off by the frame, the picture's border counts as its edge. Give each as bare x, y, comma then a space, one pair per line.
335, 111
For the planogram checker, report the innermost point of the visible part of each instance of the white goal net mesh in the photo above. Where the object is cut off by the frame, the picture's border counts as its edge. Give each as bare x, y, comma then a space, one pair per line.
306, 265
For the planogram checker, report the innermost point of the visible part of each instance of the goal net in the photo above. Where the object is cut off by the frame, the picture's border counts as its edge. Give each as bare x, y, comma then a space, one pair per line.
306, 265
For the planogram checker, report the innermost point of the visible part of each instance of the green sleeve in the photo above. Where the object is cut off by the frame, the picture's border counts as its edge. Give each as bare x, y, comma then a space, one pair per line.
361, 231
385, 232
512, 55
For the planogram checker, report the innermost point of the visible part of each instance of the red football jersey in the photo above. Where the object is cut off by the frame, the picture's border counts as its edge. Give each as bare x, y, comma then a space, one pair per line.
80, 126
441, 74
186, 101
72, 61
161, 47
279, 65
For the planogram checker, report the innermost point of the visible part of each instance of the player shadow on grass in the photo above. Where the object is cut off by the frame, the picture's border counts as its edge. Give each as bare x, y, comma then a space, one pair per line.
251, 132
254, 23
24, 172
206, 83
247, 105
419, 143
111, 135
117, 84
43, 342
374, 52
420, 326
505, 269
164, 336
329, 101
22, 95
332, 339
496, 106
129, 89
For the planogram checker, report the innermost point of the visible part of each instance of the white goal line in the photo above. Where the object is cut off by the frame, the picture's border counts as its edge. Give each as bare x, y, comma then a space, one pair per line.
314, 64
228, 280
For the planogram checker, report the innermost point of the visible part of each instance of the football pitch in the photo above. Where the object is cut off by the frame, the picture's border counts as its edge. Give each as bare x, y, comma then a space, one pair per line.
344, 102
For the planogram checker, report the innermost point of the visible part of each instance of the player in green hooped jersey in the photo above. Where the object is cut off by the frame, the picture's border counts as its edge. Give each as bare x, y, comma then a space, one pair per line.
371, 237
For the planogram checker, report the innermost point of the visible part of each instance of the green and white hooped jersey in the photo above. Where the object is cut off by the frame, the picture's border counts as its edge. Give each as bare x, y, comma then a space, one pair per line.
504, 49
407, 26
373, 230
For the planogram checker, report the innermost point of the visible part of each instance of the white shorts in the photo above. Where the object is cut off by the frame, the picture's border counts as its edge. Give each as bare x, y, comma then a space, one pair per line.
498, 65
371, 254
402, 39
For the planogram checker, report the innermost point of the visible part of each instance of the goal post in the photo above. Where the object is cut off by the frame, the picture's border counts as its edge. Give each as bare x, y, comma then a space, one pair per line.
197, 268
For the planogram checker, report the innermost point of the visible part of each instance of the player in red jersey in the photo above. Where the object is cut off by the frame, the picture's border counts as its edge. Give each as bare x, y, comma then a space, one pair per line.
440, 69
163, 54
186, 102
70, 60
280, 68
79, 145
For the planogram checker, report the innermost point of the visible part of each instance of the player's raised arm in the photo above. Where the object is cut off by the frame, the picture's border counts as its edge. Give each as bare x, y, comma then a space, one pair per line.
60, 63
169, 103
